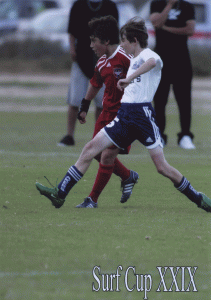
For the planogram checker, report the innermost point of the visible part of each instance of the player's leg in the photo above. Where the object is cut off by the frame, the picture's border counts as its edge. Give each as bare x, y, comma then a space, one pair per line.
71, 120
120, 170
163, 167
180, 182
104, 173
106, 167
99, 143
110, 163
76, 91
128, 177
58, 194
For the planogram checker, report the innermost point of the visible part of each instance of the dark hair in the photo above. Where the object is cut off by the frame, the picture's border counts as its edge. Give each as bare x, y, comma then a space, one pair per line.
105, 28
135, 28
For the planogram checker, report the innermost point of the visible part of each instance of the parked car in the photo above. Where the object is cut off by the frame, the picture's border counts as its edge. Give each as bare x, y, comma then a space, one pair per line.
199, 43
52, 24
48, 25
126, 11
14, 11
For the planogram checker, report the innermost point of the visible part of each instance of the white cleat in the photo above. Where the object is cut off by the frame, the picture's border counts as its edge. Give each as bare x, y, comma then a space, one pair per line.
186, 142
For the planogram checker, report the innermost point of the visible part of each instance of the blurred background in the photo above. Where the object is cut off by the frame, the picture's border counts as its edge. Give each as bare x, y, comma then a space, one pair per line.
33, 34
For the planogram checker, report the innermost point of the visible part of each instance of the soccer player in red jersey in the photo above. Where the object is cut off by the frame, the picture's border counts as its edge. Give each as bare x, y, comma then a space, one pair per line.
111, 66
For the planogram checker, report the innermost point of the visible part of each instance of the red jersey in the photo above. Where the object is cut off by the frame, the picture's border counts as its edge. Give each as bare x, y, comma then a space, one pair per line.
109, 71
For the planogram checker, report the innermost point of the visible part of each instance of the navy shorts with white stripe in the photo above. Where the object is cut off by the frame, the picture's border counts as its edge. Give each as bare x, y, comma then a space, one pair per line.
134, 122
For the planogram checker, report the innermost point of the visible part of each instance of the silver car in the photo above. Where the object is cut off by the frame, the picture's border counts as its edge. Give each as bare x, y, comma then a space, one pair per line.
199, 43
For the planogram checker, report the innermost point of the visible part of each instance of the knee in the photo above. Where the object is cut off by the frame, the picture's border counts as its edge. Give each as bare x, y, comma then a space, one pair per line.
161, 170
107, 160
87, 153
98, 157
108, 157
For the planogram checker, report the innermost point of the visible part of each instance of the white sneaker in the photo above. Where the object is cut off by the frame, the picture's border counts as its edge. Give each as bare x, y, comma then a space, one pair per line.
186, 143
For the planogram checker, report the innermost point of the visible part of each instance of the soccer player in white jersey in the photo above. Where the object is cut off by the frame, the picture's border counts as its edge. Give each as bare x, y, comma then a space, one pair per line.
135, 120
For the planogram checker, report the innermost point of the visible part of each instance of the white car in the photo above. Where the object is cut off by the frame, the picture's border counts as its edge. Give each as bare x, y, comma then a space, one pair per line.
199, 43
126, 11
48, 25
14, 11
53, 24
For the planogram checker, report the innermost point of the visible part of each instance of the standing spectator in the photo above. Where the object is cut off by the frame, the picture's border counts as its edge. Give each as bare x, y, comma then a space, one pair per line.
83, 58
174, 22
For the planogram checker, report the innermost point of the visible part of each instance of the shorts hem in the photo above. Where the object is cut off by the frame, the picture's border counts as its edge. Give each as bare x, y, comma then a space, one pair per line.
104, 131
155, 145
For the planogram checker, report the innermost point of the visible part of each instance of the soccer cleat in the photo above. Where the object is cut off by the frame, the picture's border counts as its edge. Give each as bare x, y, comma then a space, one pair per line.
205, 203
51, 194
127, 186
88, 203
186, 142
67, 140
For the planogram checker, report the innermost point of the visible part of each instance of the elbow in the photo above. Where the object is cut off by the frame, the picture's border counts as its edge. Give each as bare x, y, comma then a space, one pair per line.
191, 32
157, 24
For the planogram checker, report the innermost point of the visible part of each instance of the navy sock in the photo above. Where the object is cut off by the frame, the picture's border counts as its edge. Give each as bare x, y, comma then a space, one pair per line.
186, 188
71, 178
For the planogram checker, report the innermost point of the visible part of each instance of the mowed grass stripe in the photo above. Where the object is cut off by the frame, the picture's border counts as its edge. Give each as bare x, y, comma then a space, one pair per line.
76, 154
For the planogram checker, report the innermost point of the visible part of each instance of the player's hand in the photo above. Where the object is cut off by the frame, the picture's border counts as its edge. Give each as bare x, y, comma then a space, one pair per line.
122, 84
82, 117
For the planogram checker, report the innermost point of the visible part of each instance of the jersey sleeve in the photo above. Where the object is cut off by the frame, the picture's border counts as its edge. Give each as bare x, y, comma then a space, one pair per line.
96, 80
151, 54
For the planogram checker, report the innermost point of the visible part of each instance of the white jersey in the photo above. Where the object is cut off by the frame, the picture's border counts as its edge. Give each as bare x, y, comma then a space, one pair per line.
142, 89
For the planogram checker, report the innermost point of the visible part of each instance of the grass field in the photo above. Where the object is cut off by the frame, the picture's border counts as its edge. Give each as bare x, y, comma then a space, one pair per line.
49, 253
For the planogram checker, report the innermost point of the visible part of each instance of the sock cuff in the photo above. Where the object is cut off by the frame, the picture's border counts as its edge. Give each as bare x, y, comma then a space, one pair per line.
75, 173
182, 185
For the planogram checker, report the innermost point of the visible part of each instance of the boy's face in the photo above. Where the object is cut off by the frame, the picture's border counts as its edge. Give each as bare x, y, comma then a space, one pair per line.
126, 45
99, 47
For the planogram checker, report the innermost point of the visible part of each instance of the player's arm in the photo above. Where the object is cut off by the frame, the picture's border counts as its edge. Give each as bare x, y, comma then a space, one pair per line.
85, 103
144, 68
187, 30
158, 19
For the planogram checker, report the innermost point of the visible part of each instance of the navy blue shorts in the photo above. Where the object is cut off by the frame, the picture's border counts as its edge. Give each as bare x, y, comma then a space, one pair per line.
134, 122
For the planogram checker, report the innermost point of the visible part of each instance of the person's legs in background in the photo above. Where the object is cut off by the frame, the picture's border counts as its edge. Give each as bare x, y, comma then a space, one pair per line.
182, 92
160, 101
76, 92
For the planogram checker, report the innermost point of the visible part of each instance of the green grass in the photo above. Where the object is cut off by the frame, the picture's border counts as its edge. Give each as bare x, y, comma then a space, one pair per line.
17, 83
49, 253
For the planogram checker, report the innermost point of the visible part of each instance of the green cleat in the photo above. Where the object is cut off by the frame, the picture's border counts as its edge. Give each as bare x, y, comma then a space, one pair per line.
205, 203
51, 194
